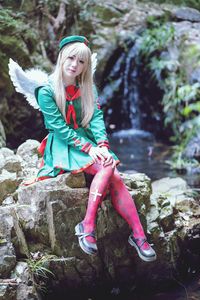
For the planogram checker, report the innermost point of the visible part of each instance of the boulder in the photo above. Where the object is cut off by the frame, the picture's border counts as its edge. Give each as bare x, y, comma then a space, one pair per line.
187, 13
42, 217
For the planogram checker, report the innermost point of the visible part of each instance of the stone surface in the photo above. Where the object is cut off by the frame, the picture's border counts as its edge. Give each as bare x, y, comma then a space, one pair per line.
2, 135
25, 288
8, 184
43, 215
187, 13
30, 158
9, 161
193, 149
7, 259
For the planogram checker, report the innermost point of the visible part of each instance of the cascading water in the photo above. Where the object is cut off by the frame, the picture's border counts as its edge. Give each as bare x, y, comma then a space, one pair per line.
120, 92
122, 99
131, 99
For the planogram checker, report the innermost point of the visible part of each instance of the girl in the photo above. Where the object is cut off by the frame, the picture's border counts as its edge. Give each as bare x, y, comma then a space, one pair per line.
77, 142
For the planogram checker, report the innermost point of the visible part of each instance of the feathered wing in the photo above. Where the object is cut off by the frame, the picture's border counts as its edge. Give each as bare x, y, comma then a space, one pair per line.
25, 82
94, 62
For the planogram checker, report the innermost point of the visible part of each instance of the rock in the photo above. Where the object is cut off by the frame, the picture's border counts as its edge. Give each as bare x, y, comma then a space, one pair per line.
9, 161
53, 194
167, 186
8, 184
2, 135
192, 149
26, 287
7, 292
140, 186
30, 158
187, 13
170, 219
7, 259
6, 222
195, 76
43, 216
166, 218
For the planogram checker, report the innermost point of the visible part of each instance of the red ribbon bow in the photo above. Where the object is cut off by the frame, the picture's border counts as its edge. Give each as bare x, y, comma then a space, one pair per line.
71, 94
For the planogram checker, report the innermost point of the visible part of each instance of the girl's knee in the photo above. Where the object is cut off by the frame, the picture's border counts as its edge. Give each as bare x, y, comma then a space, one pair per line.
109, 170
116, 176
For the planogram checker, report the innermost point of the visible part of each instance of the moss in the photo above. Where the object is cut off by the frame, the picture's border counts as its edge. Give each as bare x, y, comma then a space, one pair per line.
106, 13
18, 41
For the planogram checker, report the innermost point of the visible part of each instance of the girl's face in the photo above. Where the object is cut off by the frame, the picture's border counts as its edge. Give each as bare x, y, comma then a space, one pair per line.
73, 67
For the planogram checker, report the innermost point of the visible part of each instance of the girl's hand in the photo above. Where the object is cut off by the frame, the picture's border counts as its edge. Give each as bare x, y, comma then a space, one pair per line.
96, 154
108, 159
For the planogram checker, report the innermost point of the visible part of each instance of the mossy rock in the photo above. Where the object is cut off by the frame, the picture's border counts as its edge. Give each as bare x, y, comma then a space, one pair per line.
106, 13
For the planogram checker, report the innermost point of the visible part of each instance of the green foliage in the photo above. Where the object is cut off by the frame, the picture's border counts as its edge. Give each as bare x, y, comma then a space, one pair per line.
17, 40
171, 63
155, 39
14, 25
39, 265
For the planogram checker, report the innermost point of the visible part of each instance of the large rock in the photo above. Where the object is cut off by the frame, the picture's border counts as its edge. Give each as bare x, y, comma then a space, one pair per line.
187, 13
42, 217
172, 220
46, 214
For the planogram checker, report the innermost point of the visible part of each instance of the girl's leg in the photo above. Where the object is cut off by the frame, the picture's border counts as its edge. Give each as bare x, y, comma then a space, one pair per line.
125, 206
97, 191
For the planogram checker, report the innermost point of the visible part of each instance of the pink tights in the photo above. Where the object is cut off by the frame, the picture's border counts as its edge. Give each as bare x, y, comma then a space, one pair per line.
109, 178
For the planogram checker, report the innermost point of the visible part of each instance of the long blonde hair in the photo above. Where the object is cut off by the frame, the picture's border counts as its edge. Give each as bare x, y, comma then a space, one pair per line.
85, 80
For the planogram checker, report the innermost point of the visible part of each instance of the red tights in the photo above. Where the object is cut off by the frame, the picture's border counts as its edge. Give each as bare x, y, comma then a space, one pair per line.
109, 178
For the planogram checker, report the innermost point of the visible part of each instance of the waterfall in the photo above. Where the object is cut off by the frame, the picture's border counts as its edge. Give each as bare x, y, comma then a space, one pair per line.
120, 94
131, 97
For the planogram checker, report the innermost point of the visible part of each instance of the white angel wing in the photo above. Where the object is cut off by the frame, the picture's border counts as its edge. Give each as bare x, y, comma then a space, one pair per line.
94, 62
25, 82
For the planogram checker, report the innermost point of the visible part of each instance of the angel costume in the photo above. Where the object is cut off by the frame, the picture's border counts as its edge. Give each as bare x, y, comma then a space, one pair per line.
67, 145
66, 149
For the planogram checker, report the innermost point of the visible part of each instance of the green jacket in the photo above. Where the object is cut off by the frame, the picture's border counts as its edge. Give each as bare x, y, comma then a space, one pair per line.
66, 148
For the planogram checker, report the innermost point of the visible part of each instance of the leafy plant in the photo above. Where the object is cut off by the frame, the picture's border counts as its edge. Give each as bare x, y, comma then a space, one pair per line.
171, 65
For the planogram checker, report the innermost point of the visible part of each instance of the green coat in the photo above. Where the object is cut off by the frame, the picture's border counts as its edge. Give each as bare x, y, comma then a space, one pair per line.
66, 147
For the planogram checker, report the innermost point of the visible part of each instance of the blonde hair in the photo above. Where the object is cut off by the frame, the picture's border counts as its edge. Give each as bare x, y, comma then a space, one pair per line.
85, 80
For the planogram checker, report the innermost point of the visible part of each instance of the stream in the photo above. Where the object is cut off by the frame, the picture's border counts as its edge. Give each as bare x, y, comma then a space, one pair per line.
139, 151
